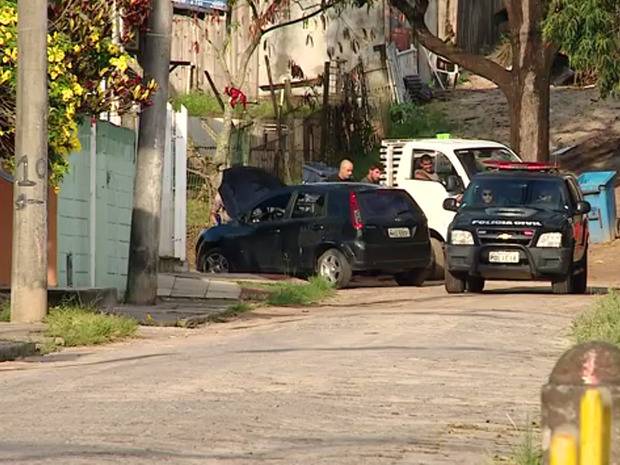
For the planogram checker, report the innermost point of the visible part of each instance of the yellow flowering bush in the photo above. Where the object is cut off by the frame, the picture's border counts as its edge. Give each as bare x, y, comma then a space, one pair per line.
89, 73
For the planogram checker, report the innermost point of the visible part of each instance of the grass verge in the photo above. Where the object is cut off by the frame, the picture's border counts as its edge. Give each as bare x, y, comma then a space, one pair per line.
295, 294
528, 452
601, 322
80, 326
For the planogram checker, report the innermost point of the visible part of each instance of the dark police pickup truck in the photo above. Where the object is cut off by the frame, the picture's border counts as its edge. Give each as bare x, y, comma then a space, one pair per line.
520, 222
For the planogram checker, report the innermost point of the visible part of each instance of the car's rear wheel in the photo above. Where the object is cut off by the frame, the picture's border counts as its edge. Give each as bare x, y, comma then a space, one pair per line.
438, 261
214, 261
454, 284
580, 282
564, 284
334, 266
411, 277
475, 284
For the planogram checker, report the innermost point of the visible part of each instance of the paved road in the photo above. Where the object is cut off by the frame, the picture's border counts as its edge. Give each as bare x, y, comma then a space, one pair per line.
381, 376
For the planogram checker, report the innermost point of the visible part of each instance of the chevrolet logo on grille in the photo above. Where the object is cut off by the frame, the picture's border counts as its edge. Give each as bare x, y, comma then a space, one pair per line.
505, 236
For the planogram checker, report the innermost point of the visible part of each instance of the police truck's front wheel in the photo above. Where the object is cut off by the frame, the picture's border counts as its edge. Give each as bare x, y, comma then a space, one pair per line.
454, 284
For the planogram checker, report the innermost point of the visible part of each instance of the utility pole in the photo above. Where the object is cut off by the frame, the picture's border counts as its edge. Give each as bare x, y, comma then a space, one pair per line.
144, 245
30, 181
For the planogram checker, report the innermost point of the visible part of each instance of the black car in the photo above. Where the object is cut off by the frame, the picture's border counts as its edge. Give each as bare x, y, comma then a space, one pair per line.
514, 225
330, 229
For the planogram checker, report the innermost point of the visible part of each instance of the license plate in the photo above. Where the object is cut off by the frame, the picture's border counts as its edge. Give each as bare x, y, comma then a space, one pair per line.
395, 233
503, 257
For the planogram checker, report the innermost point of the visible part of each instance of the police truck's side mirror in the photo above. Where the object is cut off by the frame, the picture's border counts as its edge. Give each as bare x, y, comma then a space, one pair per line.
582, 207
450, 205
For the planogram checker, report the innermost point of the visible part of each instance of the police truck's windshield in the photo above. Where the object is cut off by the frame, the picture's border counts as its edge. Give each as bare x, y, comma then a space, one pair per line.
473, 159
543, 194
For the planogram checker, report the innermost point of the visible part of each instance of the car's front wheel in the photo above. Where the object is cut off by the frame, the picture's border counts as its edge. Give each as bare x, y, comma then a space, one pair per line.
334, 266
214, 261
411, 277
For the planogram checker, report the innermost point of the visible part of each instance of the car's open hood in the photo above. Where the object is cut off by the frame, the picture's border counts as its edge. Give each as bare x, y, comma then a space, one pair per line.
243, 186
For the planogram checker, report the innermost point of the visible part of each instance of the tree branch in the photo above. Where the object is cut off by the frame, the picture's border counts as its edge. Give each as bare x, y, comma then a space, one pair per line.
302, 18
254, 10
475, 63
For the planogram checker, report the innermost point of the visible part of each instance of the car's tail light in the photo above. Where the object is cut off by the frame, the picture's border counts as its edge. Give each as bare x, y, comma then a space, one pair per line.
356, 214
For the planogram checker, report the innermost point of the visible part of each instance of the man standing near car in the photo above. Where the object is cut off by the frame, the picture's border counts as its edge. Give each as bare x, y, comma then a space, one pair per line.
345, 174
373, 176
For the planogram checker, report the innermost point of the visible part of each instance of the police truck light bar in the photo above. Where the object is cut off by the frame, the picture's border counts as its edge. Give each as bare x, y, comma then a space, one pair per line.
522, 166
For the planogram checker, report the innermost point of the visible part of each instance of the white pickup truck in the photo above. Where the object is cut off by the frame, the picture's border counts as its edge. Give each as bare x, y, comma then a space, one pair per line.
455, 162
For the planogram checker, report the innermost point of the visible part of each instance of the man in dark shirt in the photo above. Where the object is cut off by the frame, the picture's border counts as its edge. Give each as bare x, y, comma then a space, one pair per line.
373, 176
345, 174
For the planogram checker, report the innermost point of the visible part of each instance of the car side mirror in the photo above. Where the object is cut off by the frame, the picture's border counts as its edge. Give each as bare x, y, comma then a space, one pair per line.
582, 207
450, 205
453, 185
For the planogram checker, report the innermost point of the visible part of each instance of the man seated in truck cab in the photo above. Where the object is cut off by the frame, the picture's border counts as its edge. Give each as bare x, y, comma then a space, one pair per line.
427, 171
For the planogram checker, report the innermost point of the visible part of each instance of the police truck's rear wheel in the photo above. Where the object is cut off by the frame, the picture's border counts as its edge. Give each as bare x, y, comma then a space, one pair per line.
454, 284
475, 284
438, 263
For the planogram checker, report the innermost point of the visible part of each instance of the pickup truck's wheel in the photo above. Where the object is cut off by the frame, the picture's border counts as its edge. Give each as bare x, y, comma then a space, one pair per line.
214, 261
580, 282
411, 278
564, 284
453, 283
334, 266
438, 261
475, 284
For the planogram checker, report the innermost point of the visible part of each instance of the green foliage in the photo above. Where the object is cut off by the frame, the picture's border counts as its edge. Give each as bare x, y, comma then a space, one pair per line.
202, 104
294, 294
79, 326
198, 104
587, 30
5, 312
601, 322
411, 121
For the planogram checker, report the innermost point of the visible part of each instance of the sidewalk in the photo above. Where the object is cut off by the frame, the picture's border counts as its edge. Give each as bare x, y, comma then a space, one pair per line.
196, 286
19, 340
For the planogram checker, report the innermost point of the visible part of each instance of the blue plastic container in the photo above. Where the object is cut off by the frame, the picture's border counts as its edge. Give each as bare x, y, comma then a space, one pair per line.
598, 187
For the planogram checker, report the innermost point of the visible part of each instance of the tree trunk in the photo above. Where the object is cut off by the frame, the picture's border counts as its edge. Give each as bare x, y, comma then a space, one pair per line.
222, 152
528, 94
528, 104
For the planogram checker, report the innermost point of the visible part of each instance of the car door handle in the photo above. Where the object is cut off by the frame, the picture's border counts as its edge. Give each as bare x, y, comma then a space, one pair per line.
317, 227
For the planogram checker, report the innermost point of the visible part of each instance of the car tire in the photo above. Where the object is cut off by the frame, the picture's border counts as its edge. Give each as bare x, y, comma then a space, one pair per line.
475, 284
453, 283
411, 277
214, 261
438, 261
563, 285
580, 282
334, 266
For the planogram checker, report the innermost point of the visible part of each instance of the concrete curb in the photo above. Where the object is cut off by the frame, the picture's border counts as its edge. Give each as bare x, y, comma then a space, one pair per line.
11, 350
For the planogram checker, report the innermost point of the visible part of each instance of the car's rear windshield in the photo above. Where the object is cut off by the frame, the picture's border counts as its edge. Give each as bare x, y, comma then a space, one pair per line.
541, 193
386, 204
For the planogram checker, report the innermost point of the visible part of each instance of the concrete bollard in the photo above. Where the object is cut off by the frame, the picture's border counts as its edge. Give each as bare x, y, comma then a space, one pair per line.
584, 392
